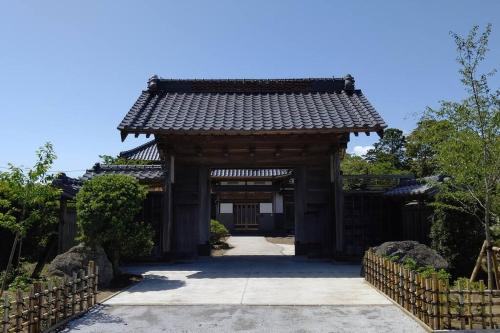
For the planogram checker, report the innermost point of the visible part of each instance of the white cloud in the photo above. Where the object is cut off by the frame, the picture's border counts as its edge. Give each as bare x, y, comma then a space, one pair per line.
361, 150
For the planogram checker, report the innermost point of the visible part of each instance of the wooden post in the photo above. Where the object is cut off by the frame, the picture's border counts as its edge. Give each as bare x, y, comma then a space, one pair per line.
82, 290
96, 281
483, 313
6, 307
446, 291
479, 259
49, 304
469, 303
65, 297
412, 292
338, 197
435, 303
19, 310
31, 311
37, 288
57, 297
490, 307
73, 293
495, 269
461, 305
90, 286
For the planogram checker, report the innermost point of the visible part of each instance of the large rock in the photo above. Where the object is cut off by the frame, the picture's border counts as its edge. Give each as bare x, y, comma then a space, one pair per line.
422, 254
78, 257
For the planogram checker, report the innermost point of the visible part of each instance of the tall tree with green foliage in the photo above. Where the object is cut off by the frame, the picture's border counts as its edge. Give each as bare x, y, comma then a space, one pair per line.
28, 199
422, 145
107, 207
389, 149
470, 154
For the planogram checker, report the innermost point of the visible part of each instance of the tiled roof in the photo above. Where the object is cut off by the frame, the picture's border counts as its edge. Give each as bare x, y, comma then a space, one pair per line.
69, 186
416, 187
145, 152
141, 172
251, 106
250, 173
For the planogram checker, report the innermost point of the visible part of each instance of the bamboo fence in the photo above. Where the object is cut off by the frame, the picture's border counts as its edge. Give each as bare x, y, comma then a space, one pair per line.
48, 306
431, 299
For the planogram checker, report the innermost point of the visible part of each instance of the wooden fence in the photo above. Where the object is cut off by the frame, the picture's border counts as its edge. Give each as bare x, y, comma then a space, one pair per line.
47, 306
431, 299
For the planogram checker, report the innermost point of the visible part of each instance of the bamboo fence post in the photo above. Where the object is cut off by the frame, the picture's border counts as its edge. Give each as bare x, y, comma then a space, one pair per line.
65, 297
435, 303
19, 310
37, 288
49, 304
82, 290
90, 269
490, 307
73, 293
406, 278
428, 302
31, 311
96, 282
446, 290
394, 281
57, 297
6, 308
412, 291
418, 303
461, 305
483, 313
469, 303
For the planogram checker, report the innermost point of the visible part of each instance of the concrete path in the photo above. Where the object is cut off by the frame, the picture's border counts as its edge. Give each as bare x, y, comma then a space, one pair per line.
250, 280
269, 292
244, 318
256, 246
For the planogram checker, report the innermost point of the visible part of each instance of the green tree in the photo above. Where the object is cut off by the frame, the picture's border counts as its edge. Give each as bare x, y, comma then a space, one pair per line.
389, 149
422, 144
470, 155
357, 165
108, 159
107, 207
28, 200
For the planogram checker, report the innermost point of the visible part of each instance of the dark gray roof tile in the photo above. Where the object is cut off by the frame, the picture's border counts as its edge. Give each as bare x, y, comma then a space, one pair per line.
251, 106
141, 172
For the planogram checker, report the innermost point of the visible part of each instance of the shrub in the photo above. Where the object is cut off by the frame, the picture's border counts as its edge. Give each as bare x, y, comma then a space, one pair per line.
457, 237
217, 231
426, 271
107, 207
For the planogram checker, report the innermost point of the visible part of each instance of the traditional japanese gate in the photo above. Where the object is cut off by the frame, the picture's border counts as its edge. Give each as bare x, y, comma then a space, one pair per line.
303, 124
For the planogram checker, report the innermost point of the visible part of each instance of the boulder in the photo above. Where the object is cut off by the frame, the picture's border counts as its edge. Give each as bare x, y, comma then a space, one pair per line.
78, 257
422, 254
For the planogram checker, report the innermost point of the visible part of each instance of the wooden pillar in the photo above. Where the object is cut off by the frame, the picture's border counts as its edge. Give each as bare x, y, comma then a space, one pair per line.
338, 200
300, 208
167, 207
204, 211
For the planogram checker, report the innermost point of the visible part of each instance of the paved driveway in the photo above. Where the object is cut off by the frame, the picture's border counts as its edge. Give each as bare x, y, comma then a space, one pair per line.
250, 280
248, 293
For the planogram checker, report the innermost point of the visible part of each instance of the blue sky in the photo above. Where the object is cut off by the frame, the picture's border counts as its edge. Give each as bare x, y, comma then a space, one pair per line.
70, 70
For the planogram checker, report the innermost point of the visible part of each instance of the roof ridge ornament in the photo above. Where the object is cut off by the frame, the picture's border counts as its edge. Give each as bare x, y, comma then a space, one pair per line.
349, 83
153, 82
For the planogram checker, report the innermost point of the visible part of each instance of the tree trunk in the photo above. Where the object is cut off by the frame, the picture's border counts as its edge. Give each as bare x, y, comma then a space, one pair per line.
115, 261
488, 239
12, 251
44, 256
